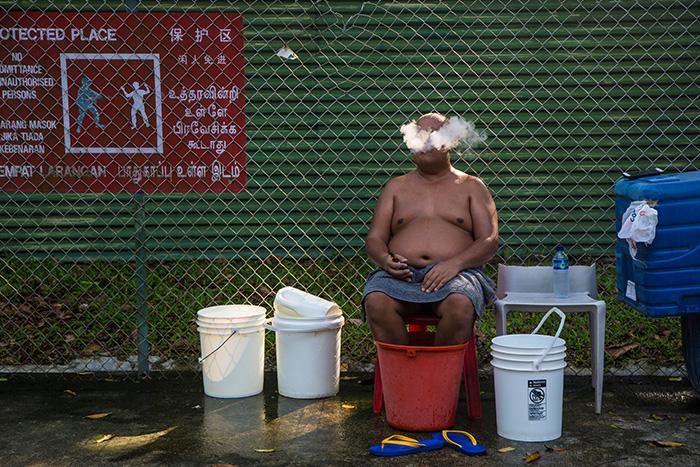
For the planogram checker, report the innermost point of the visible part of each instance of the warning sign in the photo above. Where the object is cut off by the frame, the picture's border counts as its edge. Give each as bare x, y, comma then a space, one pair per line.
537, 399
95, 102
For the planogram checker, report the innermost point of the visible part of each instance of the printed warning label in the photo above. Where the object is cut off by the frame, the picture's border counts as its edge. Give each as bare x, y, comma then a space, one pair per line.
537, 399
631, 291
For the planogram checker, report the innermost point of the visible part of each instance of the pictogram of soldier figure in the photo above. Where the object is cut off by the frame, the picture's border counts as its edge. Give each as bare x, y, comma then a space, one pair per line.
87, 98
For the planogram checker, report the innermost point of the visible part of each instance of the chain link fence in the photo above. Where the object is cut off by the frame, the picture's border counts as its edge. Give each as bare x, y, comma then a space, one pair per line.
569, 94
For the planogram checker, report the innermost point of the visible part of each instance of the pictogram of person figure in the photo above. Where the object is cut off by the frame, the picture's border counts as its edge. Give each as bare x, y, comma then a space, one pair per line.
137, 106
87, 98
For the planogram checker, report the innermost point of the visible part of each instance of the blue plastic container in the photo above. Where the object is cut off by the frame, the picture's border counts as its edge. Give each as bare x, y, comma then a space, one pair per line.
664, 278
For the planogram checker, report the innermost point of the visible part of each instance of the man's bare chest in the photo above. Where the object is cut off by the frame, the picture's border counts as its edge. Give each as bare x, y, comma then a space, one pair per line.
446, 205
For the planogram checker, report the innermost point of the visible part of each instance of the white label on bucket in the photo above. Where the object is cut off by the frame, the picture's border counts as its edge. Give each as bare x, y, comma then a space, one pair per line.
631, 292
536, 399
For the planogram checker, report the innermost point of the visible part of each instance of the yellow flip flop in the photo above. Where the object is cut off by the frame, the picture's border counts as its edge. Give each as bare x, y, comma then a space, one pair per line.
463, 442
400, 445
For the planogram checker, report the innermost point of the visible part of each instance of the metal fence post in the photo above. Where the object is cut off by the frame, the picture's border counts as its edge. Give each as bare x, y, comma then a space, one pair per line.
141, 288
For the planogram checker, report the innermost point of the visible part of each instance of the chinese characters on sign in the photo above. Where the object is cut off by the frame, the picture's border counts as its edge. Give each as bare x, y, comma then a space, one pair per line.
115, 102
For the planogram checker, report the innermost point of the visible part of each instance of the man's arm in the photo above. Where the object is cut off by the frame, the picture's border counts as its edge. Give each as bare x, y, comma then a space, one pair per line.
485, 230
377, 241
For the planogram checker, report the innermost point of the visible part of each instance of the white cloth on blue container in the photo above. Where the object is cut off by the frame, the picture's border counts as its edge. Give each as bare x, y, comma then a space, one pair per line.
638, 225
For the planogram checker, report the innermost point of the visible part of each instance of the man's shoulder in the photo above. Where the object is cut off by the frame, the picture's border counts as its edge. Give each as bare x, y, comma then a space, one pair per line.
399, 181
469, 181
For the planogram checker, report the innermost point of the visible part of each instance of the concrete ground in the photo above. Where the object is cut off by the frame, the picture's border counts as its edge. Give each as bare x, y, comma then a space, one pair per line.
169, 421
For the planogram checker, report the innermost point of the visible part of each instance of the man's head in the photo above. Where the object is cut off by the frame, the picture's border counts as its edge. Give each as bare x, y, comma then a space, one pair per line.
435, 132
431, 121
135, 84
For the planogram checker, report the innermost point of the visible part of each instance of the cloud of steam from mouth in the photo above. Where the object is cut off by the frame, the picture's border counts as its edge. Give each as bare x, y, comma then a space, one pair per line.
455, 132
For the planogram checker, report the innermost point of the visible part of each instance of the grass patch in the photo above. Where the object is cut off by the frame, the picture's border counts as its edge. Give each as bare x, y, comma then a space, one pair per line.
55, 312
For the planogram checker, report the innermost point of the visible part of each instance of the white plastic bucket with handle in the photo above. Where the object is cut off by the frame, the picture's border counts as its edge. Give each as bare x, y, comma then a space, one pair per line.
308, 355
232, 339
529, 386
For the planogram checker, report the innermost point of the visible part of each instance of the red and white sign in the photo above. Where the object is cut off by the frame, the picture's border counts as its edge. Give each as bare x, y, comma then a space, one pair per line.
95, 102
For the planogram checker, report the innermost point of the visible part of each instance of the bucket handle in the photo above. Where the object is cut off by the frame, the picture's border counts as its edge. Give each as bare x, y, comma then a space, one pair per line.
536, 363
246, 330
201, 359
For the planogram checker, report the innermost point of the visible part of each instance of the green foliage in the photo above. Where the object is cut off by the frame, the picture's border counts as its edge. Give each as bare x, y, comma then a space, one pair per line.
55, 312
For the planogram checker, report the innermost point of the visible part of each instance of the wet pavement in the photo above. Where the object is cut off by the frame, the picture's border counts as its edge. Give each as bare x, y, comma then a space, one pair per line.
169, 421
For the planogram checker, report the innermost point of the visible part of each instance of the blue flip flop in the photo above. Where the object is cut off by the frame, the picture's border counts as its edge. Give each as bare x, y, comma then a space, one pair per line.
463, 442
400, 445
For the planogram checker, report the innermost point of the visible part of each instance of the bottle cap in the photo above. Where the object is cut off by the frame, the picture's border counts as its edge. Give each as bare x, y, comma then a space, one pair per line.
559, 246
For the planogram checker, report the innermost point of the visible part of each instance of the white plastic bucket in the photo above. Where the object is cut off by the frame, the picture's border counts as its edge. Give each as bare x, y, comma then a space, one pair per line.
297, 303
506, 357
232, 339
531, 344
529, 386
228, 314
308, 355
530, 352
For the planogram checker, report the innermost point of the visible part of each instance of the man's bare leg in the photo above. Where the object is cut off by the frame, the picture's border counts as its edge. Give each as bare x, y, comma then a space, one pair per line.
456, 314
385, 318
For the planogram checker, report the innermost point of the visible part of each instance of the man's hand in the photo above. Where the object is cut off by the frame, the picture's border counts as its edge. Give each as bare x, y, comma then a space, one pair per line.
443, 272
397, 266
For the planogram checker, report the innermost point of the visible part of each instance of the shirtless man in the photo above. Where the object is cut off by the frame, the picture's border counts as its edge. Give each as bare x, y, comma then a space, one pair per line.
432, 231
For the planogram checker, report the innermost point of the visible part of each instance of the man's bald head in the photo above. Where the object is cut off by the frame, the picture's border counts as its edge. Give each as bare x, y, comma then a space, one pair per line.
431, 121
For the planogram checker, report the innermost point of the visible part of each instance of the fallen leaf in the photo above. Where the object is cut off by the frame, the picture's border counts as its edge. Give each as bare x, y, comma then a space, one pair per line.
70, 392
224, 465
348, 406
103, 438
83, 373
617, 427
181, 345
264, 450
69, 338
97, 416
92, 348
110, 380
508, 449
2, 380
676, 379
553, 449
668, 444
657, 417
132, 442
531, 457
684, 419
617, 351
197, 406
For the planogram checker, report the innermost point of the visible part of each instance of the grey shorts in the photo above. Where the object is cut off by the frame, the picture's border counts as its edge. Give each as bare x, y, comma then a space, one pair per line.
472, 283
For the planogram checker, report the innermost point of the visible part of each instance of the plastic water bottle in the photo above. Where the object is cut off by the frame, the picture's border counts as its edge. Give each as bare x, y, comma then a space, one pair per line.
560, 273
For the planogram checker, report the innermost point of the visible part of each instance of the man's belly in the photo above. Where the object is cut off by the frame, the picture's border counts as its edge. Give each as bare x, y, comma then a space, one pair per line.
429, 242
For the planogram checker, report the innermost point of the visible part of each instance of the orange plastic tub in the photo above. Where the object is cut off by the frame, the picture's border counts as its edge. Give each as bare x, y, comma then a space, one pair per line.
420, 385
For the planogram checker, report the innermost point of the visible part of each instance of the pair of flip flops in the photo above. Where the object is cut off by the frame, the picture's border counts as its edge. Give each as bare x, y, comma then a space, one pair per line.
400, 445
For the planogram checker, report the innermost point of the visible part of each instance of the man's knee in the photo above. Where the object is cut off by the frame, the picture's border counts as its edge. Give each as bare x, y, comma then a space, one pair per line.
378, 304
457, 307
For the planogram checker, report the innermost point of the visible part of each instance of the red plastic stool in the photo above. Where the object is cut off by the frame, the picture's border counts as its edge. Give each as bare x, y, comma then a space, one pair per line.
419, 324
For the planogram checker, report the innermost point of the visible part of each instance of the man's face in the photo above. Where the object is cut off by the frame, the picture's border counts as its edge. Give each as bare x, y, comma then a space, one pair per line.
430, 123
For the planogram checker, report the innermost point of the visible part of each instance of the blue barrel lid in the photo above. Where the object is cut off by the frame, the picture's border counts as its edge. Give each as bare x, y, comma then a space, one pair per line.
665, 186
